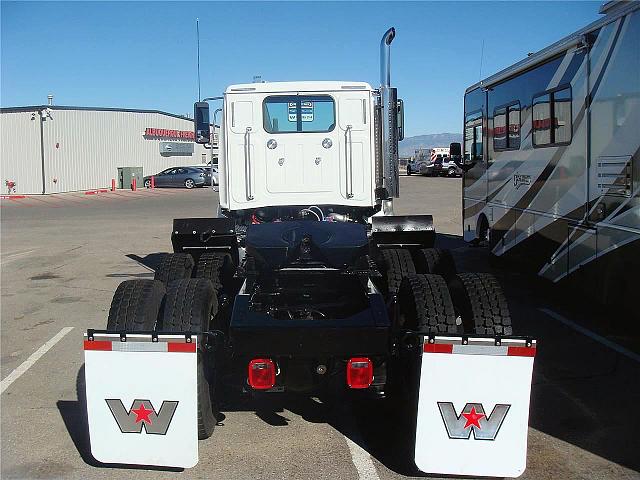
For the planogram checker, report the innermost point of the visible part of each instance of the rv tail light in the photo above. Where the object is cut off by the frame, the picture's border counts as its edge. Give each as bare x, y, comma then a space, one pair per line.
359, 372
262, 373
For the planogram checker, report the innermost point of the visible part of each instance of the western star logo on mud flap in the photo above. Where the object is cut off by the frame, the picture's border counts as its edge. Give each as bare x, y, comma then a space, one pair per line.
472, 419
142, 414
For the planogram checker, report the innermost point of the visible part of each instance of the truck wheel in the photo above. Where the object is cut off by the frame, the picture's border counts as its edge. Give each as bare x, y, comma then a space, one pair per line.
174, 266
425, 305
482, 304
395, 264
135, 305
436, 261
451, 172
217, 267
190, 304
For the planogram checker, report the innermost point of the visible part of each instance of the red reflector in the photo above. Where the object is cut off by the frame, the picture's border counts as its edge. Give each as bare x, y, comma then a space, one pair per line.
181, 347
521, 351
438, 348
262, 373
97, 345
359, 372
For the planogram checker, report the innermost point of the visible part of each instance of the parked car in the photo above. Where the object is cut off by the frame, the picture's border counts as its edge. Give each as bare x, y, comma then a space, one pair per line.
209, 169
187, 177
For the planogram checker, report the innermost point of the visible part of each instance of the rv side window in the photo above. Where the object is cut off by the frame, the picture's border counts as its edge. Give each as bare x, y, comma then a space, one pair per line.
500, 129
473, 138
290, 114
552, 118
506, 127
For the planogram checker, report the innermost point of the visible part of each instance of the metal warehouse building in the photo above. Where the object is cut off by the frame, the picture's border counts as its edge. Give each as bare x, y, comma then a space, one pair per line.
51, 149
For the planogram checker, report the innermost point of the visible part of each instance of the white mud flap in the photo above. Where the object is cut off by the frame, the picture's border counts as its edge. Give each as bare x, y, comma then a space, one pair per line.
473, 406
142, 398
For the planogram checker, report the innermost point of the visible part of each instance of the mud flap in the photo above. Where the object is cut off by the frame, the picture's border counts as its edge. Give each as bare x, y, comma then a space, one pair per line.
141, 392
473, 406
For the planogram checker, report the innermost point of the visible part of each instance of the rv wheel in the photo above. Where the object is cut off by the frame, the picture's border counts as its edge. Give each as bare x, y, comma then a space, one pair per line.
481, 303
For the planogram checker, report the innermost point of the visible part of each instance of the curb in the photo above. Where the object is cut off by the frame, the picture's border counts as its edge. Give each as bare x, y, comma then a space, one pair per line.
12, 197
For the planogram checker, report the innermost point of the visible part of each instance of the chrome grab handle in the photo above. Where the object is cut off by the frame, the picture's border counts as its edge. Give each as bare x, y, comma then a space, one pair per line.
348, 153
247, 162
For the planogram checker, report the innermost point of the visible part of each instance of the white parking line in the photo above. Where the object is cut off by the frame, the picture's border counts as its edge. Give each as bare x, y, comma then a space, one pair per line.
15, 256
592, 335
33, 358
362, 461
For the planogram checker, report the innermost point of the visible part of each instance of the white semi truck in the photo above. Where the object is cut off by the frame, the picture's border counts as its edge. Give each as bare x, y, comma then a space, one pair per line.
306, 280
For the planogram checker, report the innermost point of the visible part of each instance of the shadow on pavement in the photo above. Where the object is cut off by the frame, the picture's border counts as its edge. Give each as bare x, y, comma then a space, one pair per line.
583, 392
151, 260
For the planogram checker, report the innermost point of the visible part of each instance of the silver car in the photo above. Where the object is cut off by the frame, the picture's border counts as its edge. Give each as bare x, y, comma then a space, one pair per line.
188, 177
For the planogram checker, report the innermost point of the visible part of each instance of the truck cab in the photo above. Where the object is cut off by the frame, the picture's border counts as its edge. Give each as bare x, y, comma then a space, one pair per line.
297, 143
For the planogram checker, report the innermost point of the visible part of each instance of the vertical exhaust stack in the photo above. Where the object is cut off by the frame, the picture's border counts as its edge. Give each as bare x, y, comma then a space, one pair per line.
389, 121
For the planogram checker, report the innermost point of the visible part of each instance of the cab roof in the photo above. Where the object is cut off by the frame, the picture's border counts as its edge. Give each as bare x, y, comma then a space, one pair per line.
302, 86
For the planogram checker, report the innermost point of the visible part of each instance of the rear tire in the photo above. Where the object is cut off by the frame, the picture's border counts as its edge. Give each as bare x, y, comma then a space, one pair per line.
451, 172
217, 267
425, 305
135, 305
482, 304
395, 264
435, 261
174, 266
190, 305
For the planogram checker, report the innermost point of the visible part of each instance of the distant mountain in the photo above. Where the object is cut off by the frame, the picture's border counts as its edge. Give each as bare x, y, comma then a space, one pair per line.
409, 145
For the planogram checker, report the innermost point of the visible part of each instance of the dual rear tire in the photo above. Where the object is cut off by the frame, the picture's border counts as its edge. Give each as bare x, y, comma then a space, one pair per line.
187, 305
434, 299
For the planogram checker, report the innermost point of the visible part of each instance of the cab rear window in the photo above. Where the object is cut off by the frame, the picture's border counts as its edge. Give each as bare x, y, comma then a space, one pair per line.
299, 113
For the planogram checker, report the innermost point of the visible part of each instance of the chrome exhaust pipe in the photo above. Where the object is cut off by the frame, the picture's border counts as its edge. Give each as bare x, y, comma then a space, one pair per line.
385, 57
387, 162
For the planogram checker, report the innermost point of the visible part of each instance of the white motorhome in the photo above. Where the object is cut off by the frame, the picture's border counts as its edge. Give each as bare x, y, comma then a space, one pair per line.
552, 153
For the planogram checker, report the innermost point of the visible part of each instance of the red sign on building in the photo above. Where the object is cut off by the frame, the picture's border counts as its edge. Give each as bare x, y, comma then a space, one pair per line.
167, 133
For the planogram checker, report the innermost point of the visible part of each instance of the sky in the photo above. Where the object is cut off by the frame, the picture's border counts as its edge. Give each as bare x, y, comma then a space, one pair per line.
143, 54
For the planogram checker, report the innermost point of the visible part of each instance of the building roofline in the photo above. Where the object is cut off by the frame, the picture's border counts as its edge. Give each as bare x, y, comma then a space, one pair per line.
30, 108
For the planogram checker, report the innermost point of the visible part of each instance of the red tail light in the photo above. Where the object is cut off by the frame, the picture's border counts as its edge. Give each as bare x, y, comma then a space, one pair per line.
359, 372
262, 373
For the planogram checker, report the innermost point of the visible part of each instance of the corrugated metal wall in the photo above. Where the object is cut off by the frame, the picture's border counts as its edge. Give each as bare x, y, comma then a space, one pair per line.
84, 148
20, 158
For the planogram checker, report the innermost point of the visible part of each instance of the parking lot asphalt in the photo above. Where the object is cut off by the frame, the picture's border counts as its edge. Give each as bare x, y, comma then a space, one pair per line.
62, 258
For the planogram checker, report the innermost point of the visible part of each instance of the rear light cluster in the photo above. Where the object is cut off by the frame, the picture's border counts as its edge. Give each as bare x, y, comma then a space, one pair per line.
262, 373
359, 372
